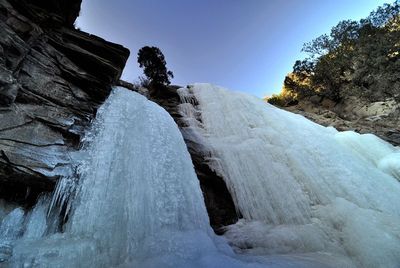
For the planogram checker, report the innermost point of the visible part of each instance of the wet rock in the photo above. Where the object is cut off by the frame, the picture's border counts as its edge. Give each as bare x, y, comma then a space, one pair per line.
8, 88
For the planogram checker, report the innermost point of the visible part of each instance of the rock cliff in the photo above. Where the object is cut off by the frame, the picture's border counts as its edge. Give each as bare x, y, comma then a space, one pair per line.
52, 80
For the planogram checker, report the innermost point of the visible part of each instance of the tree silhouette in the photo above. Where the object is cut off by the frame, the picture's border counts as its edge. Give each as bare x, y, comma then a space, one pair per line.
154, 64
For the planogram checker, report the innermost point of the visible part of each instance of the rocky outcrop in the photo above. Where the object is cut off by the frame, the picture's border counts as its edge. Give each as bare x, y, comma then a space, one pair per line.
137, 88
381, 118
52, 80
49, 12
218, 200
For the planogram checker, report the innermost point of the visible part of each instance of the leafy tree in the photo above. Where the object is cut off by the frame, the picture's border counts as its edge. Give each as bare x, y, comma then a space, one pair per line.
298, 83
318, 47
304, 68
154, 64
385, 15
341, 37
285, 98
355, 58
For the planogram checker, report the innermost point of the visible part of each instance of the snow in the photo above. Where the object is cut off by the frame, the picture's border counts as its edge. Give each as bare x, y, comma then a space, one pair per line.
301, 188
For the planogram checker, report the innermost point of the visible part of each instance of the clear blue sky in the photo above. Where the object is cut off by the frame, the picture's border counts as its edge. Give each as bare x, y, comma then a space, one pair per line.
246, 45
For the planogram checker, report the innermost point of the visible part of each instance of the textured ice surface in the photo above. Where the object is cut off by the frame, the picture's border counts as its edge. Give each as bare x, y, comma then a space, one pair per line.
302, 188
17, 226
138, 189
308, 197
374, 150
10, 229
138, 202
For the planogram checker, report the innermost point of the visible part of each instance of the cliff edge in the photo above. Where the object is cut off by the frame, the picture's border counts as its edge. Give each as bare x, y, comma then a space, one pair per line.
52, 80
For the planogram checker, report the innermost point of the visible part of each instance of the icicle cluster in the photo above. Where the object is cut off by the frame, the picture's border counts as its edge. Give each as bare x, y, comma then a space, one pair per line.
302, 188
310, 196
138, 202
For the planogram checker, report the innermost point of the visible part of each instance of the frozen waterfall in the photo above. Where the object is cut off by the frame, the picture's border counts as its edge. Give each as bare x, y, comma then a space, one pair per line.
301, 188
137, 204
311, 197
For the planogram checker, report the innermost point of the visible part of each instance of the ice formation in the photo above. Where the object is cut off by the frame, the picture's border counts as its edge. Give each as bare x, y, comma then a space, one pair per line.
311, 197
301, 188
138, 202
374, 150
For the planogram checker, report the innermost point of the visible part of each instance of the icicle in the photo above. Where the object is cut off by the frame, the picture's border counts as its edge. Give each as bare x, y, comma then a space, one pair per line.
186, 95
36, 220
62, 196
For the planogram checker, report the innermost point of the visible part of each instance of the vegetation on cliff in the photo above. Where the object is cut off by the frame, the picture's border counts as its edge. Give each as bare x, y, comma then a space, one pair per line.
152, 60
356, 59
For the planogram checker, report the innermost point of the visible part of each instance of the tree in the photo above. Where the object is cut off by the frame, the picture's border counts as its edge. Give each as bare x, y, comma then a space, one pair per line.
154, 64
355, 59
386, 15
341, 38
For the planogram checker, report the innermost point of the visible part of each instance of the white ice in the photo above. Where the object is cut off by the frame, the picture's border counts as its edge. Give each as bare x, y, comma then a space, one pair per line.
18, 225
138, 203
374, 150
301, 188
309, 197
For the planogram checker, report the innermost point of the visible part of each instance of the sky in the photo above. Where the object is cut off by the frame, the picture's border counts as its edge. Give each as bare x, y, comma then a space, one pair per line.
245, 45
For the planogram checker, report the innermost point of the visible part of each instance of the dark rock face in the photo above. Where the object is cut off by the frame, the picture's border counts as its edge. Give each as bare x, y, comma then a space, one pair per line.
218, 200
52, 80
62, 12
